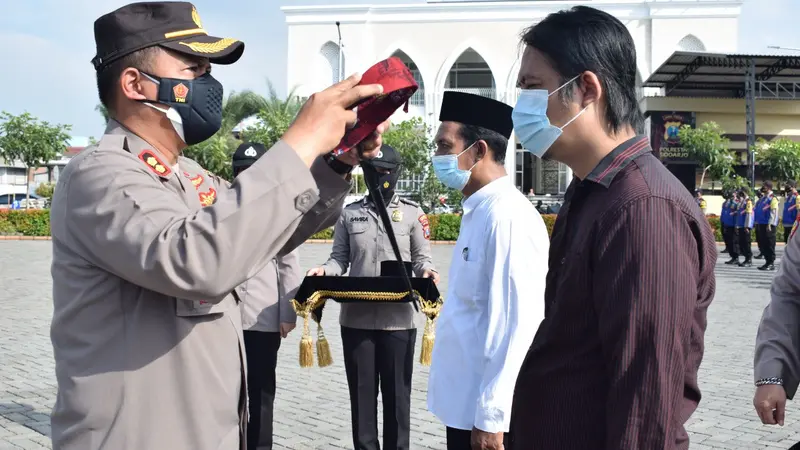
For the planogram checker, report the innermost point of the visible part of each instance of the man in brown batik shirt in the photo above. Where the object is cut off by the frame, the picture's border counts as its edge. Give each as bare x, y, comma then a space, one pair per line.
614, 363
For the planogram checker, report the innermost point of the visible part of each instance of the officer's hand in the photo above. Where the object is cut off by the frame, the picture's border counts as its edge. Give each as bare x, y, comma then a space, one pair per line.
316, 272
770, 403
286, 328
431, 274
367, 149
326, 115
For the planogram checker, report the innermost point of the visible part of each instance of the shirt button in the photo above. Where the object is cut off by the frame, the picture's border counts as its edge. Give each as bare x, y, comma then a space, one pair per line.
563, 260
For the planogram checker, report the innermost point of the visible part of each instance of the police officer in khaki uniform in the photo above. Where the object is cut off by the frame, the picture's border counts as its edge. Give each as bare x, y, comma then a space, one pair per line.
267, 316
148, 247
378, 340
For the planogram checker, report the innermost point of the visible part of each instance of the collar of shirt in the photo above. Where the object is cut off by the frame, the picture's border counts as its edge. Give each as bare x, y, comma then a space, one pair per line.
471, 202
619, 158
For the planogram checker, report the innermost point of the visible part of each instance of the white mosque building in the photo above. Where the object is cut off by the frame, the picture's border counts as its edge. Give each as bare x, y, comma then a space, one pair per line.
473, 46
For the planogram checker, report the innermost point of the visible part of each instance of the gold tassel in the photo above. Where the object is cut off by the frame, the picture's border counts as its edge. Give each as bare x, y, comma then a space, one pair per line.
306, 346
428, 338
324, 357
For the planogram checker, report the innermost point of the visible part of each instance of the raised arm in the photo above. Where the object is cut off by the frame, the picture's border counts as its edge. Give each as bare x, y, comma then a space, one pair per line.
119, 217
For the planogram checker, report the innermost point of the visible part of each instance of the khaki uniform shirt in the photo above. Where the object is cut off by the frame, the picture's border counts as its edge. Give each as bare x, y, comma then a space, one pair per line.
266, 298
360, 243
778, 340
147, 337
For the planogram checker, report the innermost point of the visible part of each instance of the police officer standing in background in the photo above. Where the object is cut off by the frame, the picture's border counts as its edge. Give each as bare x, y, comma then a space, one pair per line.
744, 226
701, 202
789, 209
267, 316
726, 222
378, 340
148, 247
766, 221
729, 222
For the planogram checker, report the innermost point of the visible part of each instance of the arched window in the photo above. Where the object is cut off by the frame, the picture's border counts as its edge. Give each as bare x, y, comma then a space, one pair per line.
330, 54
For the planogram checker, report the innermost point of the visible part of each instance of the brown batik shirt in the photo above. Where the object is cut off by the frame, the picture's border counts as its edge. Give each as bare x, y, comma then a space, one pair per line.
631, 274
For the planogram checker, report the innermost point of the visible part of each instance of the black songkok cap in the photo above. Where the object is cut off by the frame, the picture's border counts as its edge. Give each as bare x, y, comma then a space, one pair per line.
247, 154
471, 109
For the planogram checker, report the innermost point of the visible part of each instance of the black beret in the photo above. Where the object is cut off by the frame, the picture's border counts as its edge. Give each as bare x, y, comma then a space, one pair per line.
248, 153
476, 110
173, 25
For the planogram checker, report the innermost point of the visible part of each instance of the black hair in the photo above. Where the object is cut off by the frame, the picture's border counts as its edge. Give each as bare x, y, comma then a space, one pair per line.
584, 39
792, 184
496, 141
108, 76
767, 184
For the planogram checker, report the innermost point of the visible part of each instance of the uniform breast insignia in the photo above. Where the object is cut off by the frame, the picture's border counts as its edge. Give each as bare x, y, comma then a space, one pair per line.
397, 216
154, 163
426, 226
208, 198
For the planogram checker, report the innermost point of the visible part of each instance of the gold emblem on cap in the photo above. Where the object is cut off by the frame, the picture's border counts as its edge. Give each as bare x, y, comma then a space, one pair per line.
397, 216
196, 18
210, 47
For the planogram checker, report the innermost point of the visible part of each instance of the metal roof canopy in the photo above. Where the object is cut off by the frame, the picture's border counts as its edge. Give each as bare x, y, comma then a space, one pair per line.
752, 77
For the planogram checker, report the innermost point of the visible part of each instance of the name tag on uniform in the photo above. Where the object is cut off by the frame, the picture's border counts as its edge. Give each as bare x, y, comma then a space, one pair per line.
359, 219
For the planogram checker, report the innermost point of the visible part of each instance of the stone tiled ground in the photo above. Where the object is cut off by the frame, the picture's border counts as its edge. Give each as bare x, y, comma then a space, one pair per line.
312, 405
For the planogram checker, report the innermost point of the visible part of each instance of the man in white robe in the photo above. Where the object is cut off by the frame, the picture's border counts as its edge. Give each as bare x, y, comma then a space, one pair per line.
495, 295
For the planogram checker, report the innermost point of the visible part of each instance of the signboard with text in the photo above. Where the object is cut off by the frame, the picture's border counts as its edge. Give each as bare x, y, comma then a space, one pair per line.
664, 127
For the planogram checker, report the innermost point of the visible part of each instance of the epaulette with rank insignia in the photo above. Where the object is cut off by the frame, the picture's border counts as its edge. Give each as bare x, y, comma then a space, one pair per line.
409, 202
155, 164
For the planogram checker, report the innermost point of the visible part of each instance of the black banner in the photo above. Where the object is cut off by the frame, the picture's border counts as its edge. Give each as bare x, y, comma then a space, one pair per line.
664, 127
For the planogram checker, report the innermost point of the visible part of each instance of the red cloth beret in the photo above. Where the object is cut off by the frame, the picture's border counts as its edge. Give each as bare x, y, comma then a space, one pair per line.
398, 86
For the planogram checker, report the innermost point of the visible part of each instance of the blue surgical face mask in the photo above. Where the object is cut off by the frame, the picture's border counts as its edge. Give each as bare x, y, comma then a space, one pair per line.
531, 125
446, 169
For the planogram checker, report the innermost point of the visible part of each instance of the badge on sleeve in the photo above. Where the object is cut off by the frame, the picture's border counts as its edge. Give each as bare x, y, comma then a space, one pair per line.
426, 226
154, 163
397, 215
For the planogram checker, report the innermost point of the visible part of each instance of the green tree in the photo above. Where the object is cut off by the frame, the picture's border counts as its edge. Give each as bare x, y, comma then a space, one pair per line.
45, 190
780, 159
411, 138
24, 138
274, 118
103, 112
707, 145
734, 183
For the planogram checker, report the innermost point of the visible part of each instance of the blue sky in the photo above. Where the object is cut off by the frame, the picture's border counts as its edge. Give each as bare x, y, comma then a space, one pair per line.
47, 46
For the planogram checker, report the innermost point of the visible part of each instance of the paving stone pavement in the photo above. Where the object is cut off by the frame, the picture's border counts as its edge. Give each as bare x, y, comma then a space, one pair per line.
312, 407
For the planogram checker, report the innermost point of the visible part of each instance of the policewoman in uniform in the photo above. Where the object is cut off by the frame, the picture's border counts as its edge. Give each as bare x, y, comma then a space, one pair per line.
744, 227
267, 317
148, 247
766, 222
378, 340
789, 209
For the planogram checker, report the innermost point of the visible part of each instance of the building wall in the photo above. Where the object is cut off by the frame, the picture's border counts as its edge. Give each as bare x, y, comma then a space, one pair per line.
434, 36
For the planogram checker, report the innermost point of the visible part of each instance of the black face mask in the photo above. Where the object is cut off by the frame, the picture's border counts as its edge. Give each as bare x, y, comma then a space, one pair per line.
387, 182
197, 102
